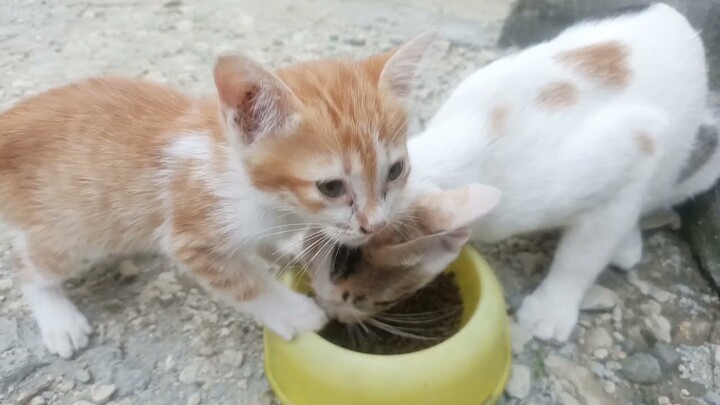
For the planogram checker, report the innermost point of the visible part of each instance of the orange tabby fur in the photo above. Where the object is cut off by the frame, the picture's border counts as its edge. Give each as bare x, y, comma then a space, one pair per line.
121, 166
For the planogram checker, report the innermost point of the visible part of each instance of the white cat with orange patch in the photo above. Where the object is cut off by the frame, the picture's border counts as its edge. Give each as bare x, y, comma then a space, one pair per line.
118, 166
586, 132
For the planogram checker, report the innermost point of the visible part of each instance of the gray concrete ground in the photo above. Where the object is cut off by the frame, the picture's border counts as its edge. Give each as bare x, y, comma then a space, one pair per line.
650, 337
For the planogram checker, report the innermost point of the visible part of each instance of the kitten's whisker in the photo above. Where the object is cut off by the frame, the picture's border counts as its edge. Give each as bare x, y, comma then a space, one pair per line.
398, 228
370, 333
281, 232
417, 328
423, 315
395, 331
301, 255
299, 226
304, 269
312, 236
300, 242
330, 250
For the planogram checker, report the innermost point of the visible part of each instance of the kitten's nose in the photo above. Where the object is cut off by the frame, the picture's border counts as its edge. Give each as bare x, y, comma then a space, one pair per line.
371, 219
373, 227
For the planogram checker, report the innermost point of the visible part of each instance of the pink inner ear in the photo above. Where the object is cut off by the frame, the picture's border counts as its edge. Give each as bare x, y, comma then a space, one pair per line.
452, 209
261, 101
231, 79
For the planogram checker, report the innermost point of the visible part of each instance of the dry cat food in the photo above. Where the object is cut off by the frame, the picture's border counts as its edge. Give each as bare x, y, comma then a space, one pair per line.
426, 318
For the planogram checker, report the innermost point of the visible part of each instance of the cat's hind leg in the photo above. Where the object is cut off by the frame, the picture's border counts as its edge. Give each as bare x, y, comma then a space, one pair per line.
629, 253
619, 150
41, 271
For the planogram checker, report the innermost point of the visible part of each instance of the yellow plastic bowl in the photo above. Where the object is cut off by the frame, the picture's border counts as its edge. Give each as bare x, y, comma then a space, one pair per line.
471, 367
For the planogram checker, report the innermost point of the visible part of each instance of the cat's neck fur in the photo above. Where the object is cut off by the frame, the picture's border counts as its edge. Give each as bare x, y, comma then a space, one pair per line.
245, 213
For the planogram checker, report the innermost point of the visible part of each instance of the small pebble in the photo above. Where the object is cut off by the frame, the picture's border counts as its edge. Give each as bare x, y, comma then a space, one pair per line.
66, 385
660, 327
194, 399
667, 355
641, 285
567, 398
713, 398
519, 384
185, 26
128, 270
661, 295
650, 308
641, 368
518, 338
39, 400
101, 393
663, 400
83, 376
355, 41
597, 338
6, 284
188, 375
82, 402
609, 387
600, 354
232, 357
599, 298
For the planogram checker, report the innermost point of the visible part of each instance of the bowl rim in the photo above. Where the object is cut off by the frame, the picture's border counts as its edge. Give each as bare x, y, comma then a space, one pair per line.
315, 339
483, 271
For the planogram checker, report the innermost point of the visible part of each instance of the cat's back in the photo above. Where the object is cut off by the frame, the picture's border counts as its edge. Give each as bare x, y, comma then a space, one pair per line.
86, 151
507, 123
96, 110
652, 56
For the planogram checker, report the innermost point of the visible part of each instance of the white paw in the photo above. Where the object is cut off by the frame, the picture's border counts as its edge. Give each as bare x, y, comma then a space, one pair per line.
547, 318
64, 329
287, 313
629, 254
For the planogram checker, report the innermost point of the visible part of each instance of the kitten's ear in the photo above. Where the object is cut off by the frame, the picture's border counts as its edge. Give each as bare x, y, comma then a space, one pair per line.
445, 211
445, 215
448, 214
254, 101
394, 70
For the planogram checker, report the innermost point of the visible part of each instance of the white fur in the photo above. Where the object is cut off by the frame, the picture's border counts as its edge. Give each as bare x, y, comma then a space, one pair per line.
63, 328
579, 168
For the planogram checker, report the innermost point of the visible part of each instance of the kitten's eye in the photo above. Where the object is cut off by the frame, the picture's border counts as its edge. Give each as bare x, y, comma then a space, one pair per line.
331, 188
395, 170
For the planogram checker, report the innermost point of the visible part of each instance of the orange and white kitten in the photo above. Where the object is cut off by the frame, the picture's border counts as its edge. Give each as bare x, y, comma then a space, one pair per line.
112, 166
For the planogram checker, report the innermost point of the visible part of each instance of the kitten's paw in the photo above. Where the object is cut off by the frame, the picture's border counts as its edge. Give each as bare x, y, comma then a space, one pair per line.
64, 329
547, 319
288, 313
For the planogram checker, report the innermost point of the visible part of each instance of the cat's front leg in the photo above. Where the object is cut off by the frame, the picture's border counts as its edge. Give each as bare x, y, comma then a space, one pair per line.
253, 291
586, 247
612, 158
284, 311
41, 270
